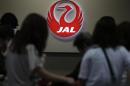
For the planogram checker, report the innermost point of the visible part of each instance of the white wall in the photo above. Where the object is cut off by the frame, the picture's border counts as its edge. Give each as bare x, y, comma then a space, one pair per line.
93, 10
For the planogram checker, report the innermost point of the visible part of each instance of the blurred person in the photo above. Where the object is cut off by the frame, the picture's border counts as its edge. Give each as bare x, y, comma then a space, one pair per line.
24, 56
104, 65
8, 23
9, 20
82, 42
123, 35
5, 35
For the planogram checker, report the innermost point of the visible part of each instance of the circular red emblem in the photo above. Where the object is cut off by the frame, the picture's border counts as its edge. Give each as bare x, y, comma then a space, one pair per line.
65, 19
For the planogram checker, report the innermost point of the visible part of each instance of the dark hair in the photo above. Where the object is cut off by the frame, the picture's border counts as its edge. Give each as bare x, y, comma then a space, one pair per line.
123, 34
9, 19
33, 31
83, 40
6, 33
104, 32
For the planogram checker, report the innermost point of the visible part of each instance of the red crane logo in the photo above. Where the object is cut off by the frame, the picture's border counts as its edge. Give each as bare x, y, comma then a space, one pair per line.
63, 28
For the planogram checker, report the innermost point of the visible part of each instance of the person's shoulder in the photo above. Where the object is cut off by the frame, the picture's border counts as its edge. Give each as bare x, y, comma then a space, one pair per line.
30, 47
92, 52
93, 49
122, 49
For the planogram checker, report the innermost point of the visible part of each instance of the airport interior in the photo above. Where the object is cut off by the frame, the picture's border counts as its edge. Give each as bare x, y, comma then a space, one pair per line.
61, 55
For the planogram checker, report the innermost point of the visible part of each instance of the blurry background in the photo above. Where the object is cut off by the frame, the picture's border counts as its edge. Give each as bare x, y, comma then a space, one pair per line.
64, 62
93, 10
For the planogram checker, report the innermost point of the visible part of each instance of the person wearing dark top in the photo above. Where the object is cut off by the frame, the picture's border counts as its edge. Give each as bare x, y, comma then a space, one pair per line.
82, 42
5, 34
8, 24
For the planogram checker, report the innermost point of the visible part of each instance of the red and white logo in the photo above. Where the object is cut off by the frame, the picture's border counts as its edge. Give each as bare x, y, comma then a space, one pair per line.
65, 19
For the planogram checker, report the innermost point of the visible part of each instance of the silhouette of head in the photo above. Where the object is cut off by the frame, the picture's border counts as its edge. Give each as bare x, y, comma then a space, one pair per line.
9, 19
104, 32
83, 41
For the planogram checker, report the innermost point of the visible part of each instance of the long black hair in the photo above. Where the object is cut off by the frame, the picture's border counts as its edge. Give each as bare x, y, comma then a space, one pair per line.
33, 31
123, 34
105, 32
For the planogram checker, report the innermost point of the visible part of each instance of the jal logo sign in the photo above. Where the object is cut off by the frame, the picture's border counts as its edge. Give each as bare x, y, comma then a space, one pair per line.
65, 19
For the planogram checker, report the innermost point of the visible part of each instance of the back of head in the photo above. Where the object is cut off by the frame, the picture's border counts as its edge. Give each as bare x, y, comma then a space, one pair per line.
9, 19
123, 34
33, 31
5, 33
104, 32
83, 41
